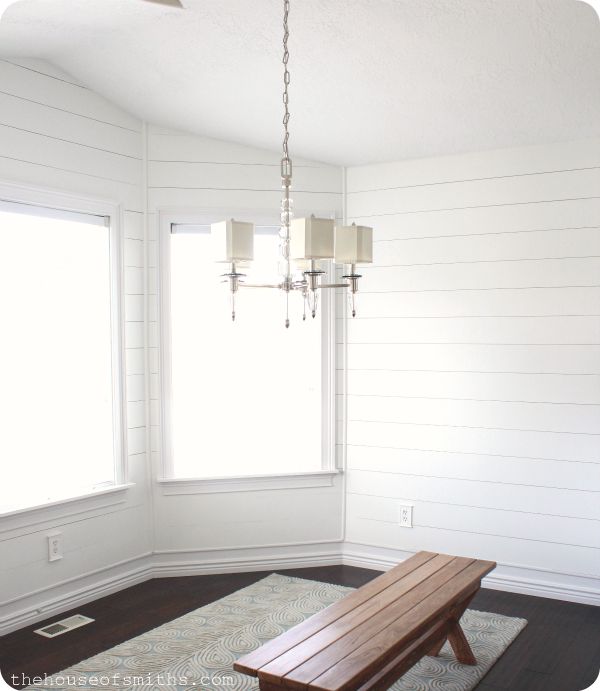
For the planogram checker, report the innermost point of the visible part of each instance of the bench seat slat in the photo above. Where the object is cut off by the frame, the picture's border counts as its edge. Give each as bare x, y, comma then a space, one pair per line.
394, 598
362, 663
252, 662
309, 668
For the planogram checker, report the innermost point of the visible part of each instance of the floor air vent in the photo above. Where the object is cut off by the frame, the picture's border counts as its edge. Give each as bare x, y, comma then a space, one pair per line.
64, 625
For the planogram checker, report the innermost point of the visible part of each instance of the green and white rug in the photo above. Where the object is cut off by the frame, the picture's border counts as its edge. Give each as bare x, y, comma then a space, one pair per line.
198, 649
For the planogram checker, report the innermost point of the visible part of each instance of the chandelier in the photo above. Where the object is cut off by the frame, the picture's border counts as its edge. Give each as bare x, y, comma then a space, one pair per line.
304, 243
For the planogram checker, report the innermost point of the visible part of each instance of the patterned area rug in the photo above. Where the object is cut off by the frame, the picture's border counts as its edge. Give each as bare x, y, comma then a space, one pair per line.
198, 650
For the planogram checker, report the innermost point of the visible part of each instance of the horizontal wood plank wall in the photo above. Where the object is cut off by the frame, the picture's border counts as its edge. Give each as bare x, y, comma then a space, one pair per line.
57, 134
189, 172
474, 363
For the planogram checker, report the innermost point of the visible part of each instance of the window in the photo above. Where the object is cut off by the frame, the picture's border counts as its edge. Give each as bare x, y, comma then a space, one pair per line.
59, 356
243, 398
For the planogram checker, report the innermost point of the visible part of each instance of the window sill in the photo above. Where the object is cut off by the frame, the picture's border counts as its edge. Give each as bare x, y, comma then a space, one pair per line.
247, 483
92, 503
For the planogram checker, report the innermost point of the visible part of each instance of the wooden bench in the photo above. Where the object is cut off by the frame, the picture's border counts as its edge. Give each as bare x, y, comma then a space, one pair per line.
371, 637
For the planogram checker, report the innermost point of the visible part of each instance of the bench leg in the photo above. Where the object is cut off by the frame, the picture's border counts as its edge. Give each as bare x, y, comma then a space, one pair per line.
456, 637
437, 649
265, 686
460, 645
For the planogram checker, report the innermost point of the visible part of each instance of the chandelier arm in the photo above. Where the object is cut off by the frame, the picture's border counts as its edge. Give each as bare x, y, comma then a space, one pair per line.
261, 285
332, 285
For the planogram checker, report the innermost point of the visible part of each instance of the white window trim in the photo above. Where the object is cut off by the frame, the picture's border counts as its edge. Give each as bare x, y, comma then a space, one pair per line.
237, 483
36, 518
112, 494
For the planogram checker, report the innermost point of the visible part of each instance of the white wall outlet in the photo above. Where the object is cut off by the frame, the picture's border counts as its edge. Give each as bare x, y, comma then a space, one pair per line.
405, 516
55, 546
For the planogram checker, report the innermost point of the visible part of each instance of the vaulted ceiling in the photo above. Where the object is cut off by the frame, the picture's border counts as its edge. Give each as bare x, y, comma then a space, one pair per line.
372, 80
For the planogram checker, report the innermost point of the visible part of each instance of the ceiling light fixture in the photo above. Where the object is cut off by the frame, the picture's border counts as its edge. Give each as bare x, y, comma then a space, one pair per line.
306, 240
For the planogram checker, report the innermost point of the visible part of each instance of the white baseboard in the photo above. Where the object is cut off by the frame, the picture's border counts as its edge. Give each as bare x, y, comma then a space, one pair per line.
75, 592
36, 607
540, 588
526, 581
168, 564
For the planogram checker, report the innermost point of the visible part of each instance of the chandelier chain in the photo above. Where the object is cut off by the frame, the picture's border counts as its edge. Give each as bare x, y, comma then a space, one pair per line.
286, 171
286, 78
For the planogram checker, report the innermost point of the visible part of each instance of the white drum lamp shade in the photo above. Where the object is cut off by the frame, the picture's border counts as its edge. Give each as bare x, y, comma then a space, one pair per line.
311, 238
353, 244
233, 241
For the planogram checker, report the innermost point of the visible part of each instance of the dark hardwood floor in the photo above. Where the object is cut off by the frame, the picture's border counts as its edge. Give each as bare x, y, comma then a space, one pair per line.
559, 650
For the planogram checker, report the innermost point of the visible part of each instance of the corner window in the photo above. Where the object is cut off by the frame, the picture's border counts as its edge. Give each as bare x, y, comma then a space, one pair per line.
59, 356
245, 397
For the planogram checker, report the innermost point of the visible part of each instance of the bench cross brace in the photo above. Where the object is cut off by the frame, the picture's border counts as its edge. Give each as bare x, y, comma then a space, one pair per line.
456, 637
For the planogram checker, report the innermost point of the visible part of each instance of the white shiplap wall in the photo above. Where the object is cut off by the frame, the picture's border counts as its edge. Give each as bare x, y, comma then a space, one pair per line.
189, 172
473, 380
57, 134
473, 367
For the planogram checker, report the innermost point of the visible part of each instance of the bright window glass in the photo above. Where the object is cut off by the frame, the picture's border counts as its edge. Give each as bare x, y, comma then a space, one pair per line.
56, 401
246, 395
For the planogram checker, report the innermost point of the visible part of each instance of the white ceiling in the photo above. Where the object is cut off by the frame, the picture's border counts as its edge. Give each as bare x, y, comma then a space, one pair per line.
372, 80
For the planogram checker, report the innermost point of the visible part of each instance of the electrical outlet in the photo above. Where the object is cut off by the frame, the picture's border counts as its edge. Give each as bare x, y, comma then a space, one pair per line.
405, 516
55, 547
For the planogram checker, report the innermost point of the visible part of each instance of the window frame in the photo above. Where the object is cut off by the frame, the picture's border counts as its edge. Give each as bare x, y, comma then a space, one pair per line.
98, 500
172, 485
